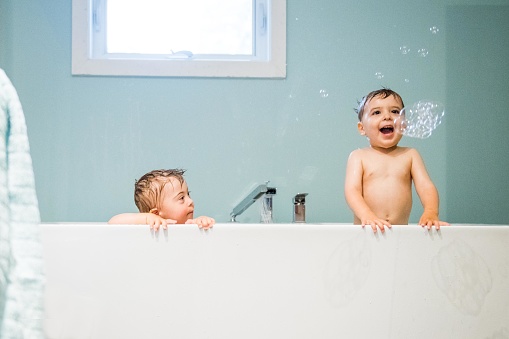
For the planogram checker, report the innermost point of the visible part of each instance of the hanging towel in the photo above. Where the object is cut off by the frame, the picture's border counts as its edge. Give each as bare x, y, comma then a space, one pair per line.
21, 264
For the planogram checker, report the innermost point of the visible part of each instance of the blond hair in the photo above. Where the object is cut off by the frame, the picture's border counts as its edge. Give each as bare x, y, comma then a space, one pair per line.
148, 189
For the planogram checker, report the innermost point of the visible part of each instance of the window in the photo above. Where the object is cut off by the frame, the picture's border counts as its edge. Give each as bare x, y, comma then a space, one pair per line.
191, 38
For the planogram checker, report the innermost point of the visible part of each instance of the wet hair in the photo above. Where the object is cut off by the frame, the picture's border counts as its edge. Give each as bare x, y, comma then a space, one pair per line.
382, 93
147, 189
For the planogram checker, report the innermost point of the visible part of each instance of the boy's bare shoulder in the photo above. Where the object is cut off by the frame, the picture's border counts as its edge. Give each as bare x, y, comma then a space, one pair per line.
409, 150
406, 150
357, 155
359, 151
410, 153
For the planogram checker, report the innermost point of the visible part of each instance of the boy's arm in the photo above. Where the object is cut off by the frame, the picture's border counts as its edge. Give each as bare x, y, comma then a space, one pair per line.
427, 193
129, 218
151, 219
354, 197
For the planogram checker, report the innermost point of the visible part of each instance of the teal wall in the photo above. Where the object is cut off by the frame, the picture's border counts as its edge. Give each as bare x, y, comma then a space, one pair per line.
478, 93
91, 137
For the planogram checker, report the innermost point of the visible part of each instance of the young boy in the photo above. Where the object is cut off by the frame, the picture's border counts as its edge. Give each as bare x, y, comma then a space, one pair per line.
162, 197
378, 184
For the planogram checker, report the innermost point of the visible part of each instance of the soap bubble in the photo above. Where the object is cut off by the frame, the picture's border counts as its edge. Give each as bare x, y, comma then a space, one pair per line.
404, 50
423, 52
420, 120
434, 30
379, 75
324, 93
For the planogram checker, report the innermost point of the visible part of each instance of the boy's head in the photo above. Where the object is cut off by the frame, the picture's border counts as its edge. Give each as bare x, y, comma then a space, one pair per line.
165, 193
378, 114
382, 93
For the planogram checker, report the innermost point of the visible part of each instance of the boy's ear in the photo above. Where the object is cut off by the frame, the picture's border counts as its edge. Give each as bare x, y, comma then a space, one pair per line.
154, 211
360, 128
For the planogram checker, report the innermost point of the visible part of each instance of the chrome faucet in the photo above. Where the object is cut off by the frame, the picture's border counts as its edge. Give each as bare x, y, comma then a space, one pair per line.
255, 194
266, 212
299, 208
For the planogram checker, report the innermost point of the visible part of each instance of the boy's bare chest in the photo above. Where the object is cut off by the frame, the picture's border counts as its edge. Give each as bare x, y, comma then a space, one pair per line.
387, 168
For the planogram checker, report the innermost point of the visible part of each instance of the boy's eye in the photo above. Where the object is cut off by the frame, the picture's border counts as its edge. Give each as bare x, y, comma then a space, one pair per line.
396, 111
376, 112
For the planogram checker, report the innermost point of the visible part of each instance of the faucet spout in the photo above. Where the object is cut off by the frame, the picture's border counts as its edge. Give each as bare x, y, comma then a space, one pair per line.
248, 201
266, 212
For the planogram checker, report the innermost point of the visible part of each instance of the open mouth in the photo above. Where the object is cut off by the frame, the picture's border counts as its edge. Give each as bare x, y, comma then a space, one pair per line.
387, 129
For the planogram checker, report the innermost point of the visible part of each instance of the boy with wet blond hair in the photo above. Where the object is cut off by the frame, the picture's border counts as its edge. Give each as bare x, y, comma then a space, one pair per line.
378, 183
162, 197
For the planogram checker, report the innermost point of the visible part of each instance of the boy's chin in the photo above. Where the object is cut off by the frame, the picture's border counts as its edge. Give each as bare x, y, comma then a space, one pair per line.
385, 143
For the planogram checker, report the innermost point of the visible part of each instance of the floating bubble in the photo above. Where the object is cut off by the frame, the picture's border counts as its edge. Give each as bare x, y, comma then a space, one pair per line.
423, 52
379, 75
324, 93
404, 50
420, 120
434, 30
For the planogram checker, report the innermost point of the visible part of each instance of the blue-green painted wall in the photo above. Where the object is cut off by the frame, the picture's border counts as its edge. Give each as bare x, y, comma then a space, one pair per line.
91, 137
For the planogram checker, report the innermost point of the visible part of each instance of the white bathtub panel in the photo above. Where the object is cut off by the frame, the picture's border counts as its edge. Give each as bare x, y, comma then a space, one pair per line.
275, 281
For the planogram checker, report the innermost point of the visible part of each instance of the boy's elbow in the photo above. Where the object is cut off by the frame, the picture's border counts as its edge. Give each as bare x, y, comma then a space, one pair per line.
425, 187
117, 219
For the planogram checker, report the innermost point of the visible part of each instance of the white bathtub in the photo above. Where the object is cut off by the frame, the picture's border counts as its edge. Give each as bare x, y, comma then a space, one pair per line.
275, 281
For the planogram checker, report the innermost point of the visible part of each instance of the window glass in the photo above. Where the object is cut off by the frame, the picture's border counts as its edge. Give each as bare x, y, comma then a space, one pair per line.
165, 27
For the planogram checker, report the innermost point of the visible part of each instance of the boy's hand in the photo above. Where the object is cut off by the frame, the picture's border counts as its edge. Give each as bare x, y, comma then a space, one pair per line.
429, 219
202, 222
155, 221
375, 222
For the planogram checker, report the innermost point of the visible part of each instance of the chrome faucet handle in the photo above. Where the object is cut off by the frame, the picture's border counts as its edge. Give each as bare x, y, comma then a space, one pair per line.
299, 208
300, 198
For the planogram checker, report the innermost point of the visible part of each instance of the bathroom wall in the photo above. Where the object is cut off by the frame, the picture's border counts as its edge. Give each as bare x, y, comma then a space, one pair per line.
477, 91
91, 137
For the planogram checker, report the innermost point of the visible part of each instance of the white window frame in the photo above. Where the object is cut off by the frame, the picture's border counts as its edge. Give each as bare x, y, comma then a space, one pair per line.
273, 65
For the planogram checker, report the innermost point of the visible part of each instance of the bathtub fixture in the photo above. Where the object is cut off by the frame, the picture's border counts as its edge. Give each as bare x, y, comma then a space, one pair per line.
266, 213
255, 194
299, 208
296, 281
